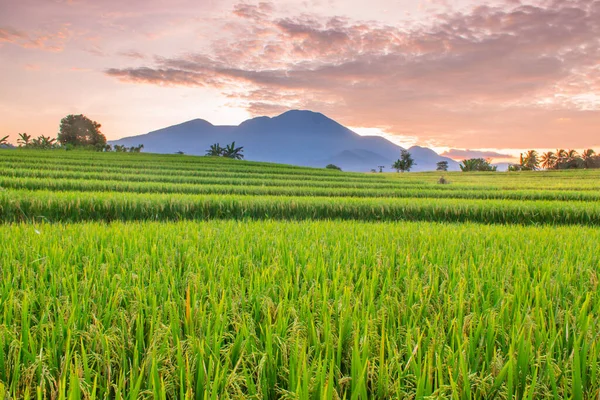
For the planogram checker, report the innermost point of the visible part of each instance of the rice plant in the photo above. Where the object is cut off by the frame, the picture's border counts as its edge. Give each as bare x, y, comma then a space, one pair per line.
346, 310
160, 276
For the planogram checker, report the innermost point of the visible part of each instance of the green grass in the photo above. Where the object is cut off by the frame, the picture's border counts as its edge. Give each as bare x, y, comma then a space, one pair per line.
25, 205
160, 276
357, 309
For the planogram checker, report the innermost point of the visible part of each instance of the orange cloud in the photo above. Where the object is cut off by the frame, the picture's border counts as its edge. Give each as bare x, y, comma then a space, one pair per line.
472, 79
50, 41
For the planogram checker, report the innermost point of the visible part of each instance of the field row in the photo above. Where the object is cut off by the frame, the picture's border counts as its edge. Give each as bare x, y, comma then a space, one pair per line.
154, 166
200, 164
346, 310
427, 182
25, 205
209, 178
291, 189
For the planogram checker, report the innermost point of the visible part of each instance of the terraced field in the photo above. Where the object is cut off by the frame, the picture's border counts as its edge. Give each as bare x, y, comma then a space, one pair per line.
154, 276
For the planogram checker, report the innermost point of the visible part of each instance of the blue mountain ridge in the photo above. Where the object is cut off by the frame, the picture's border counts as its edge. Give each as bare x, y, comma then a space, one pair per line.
296, 137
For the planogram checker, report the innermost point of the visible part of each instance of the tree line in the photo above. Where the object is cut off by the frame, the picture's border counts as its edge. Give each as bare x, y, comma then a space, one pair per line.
559, 159
76, 131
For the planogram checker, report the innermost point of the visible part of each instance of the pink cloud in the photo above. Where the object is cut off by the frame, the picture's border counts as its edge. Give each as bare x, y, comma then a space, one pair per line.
469, 77
43, 40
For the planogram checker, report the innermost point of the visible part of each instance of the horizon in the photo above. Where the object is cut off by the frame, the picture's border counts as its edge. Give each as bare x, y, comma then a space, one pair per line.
454, 154
456, 76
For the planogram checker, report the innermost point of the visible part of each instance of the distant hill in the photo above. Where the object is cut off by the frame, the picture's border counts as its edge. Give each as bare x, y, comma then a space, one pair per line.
296, 137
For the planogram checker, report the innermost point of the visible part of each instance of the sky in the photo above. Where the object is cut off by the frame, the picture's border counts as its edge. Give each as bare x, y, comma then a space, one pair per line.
467, 78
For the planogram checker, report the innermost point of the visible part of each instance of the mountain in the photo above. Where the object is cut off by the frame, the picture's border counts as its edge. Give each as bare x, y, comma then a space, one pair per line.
295, 137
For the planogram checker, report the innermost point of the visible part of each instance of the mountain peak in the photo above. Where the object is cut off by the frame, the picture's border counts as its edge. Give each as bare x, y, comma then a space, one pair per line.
299, 137
196, 122
303, 115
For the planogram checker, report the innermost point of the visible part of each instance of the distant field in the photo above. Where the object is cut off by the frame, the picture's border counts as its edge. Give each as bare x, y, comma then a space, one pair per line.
154, 276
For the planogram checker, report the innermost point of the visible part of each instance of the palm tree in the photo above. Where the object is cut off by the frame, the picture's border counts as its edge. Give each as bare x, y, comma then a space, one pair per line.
215, 150
24, 139
568, 160
530, 161
47, 142
588, 158
230, 151
572, 154
588, 153
4, 141
548, 160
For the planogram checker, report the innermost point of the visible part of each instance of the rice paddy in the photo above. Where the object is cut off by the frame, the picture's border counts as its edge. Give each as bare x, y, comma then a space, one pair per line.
162, 277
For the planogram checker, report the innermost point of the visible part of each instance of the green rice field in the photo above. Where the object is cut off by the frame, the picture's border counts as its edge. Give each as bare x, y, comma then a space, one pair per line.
126, 276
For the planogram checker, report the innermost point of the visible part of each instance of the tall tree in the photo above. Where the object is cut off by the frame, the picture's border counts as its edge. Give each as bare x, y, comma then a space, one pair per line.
588, 153
79, 130
569, 160
572, 154
589, 157
529, 161
561, 155
442, 166
404, 163
548, 160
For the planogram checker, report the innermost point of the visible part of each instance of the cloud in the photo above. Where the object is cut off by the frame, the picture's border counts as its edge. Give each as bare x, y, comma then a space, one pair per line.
254, 12
473, 78
458, 154
43, 40
132, 54
10, 35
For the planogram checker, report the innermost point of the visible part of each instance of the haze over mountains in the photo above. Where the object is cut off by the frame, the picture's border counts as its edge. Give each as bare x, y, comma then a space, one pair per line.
295, 137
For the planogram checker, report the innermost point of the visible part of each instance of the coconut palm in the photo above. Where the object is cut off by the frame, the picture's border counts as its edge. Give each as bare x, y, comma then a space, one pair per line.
4, 141
588, 153
548, 160
531, 160
588, 157
572, 154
